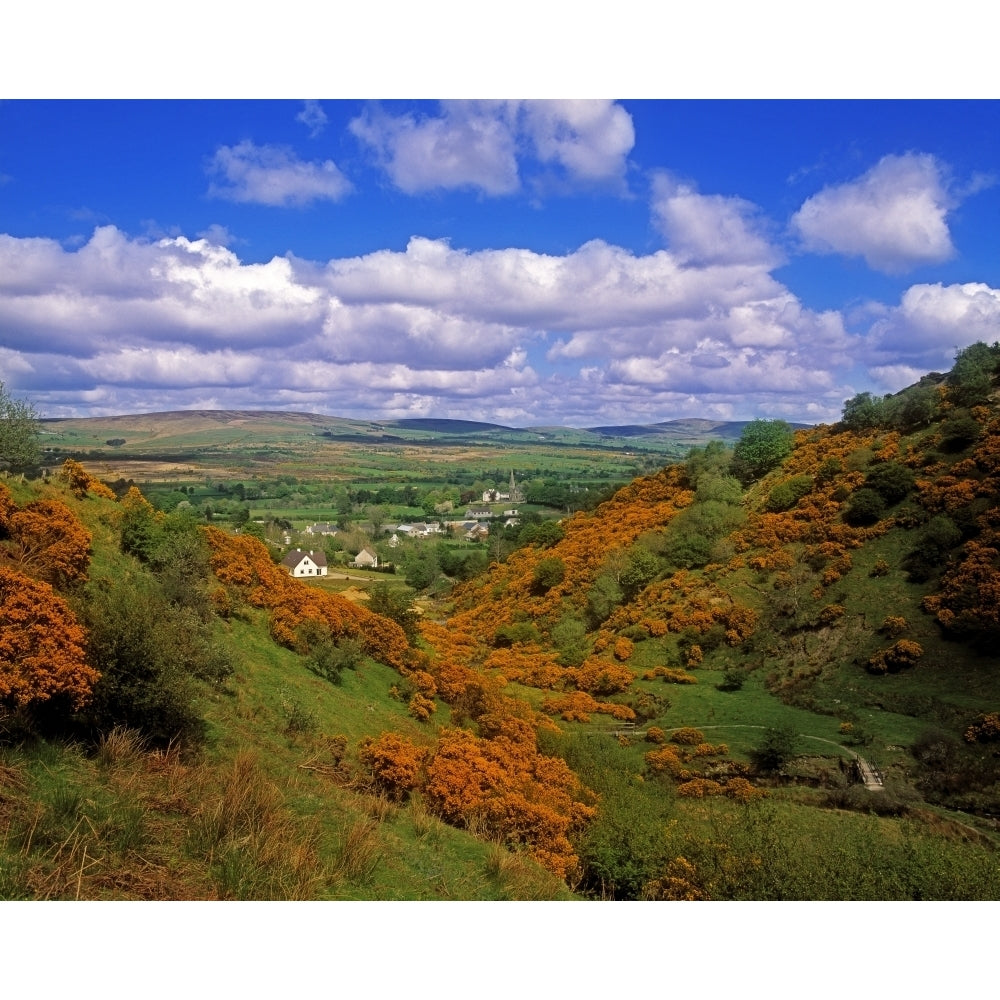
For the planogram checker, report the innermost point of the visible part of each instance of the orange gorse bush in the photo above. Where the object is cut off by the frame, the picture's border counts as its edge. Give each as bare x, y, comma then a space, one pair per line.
678, 883
893, 625
243, 563
82, 482
623, 648
41, 644
670, 675
985, 729
687, 736
900, 655
45, 539
394, 763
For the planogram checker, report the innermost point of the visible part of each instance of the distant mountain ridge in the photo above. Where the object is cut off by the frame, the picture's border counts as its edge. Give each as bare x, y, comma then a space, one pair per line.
695, 428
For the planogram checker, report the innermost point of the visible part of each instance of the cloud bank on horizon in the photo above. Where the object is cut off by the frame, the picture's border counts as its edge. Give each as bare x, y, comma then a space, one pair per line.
524, 262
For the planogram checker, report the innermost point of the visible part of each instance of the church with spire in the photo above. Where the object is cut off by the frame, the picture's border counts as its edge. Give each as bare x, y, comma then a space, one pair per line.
513, 494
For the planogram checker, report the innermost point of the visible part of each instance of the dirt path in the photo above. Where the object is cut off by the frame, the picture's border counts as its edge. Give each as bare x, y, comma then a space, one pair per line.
869, 775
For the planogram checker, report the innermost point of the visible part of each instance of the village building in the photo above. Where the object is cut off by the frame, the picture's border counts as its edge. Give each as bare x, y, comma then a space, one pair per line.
420, 529
513, 493
366, 557
321, 528
461, 527
300, 563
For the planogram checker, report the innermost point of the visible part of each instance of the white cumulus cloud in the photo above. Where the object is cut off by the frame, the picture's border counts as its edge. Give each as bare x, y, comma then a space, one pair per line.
709, 229
895, 216
931, 322
483, 145
273, 175
596, 335
468, 146
590, 139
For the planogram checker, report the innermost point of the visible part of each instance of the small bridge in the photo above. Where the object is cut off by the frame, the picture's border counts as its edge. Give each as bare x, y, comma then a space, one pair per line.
870, 774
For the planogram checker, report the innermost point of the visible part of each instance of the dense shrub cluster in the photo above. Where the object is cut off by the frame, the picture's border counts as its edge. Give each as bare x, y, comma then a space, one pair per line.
243, 563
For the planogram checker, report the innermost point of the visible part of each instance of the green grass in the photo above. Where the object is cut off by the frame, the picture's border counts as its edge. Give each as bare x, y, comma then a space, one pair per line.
371, 849
274, 808
264, 811
779, 849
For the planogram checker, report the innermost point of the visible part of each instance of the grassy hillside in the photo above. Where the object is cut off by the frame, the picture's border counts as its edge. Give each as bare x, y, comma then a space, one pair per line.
675, 695
224, 769
844, 597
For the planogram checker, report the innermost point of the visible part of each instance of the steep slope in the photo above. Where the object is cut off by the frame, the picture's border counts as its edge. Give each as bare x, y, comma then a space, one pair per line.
856, 582
170, 733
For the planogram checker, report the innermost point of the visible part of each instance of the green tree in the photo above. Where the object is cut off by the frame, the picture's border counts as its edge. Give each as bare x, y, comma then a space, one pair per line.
715, 485
641, 568
18, 432
713, 458
777, 746
397, 604
786, 495
733, 678
602, 598
342, 501
254, 528
548, 573
971, 378
864, 412
421, 569
138, 643
569, 636
539, 533
959, 431
891, 481
865, 507
933, 548
914, 408
376, 516
691, 536
762, 446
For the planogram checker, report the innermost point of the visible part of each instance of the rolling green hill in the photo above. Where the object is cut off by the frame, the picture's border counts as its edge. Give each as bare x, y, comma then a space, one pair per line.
768, 672
206, 436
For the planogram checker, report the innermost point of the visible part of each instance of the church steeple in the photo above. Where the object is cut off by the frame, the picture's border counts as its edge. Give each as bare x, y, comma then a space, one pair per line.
515, 494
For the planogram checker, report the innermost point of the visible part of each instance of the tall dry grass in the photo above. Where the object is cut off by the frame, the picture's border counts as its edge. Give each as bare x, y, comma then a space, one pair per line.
255, 848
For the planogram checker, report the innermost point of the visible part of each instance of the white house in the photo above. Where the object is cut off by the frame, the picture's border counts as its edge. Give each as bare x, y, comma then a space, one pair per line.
311, 563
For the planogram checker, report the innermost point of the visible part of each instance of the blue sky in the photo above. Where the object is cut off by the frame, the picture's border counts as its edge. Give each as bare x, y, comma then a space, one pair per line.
527, 262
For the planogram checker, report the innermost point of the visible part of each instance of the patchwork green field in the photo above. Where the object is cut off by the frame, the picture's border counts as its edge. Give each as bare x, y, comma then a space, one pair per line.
242, 444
